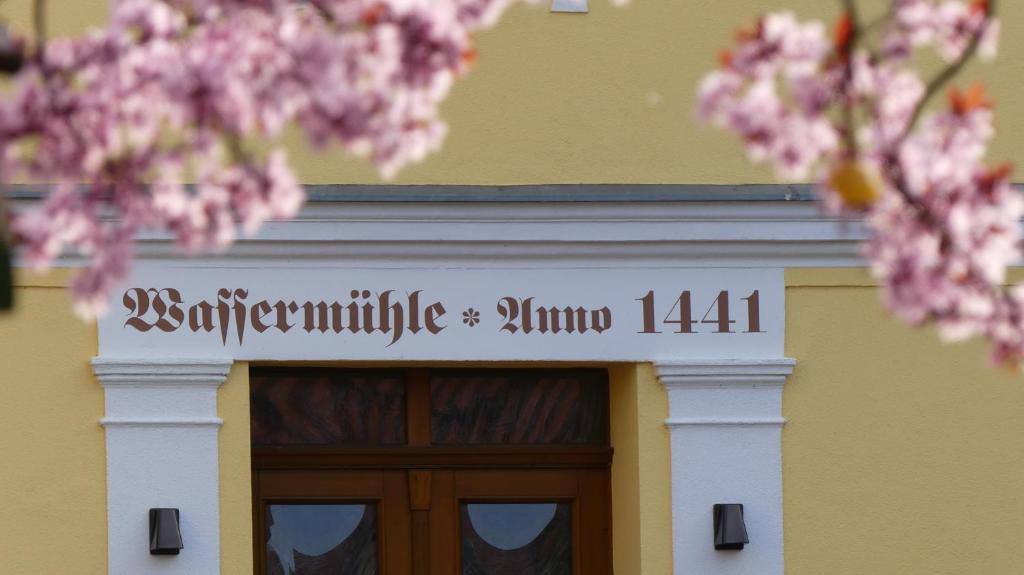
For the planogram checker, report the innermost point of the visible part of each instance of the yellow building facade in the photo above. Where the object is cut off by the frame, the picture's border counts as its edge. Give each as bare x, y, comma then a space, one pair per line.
574, 173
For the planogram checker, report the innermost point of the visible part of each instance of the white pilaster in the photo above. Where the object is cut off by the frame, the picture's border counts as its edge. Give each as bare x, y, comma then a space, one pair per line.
161, 432
725, 419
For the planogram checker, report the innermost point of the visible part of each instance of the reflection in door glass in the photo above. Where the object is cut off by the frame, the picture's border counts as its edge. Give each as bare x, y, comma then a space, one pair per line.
321, 539
516, 538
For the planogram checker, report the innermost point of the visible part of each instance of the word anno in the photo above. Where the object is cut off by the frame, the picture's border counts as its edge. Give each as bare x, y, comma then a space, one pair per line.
521, 315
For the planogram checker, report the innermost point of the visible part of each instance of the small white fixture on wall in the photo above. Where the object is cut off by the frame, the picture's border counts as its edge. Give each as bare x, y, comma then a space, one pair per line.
569, 6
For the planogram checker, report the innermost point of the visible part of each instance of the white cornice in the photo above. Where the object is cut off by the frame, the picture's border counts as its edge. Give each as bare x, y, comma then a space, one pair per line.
540, 234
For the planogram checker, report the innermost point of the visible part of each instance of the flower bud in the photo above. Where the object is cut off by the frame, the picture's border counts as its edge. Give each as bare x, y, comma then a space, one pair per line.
857, 186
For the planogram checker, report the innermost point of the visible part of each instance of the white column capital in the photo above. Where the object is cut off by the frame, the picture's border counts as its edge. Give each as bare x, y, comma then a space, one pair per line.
161, 432
724, 373
725, 418
156, 372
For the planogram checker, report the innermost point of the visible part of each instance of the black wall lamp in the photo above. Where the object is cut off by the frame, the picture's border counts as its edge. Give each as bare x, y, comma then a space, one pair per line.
730, 529
164, 532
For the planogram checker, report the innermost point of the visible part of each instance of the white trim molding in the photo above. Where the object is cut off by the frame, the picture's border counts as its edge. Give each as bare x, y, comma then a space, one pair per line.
725, 419
161, 429
549, 226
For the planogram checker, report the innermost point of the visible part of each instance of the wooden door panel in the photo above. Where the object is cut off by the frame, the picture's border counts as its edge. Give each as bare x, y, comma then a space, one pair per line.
385, 490
595, 523
329, 484
396, 526
443, 523
585, 491
516, 484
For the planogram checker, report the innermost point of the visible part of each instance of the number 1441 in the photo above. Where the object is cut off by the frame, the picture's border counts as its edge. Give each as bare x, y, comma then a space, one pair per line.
680, 317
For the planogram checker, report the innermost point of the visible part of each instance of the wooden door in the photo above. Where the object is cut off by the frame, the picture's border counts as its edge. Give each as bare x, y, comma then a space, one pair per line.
485, 477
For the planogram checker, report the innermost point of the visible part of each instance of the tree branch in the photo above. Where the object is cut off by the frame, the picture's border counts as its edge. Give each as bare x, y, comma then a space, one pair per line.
948, 73
851, 8
6, 214
894, 168
871, 25
39, 25
849, 135
1009, 306
324, 12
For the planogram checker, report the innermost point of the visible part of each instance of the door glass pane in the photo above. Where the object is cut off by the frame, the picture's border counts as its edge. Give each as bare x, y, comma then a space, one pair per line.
321, 539
516, 538
327, 407
519, 406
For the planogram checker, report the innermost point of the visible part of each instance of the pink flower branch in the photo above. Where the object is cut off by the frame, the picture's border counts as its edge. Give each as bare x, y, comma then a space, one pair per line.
947, 74
945, 226
116, 120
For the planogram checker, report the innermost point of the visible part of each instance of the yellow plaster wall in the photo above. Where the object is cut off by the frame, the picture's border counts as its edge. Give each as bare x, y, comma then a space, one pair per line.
608, 97
53, 510
605, 97
641, 474
235, 473
63, 17
901, 454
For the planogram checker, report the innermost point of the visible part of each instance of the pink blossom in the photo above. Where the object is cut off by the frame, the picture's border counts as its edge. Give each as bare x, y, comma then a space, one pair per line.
172, 89
946, 226
946, 25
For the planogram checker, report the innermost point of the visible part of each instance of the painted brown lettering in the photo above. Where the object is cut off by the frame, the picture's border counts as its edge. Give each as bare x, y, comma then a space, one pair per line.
139, 302
200, 316
315, 317
430, 316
